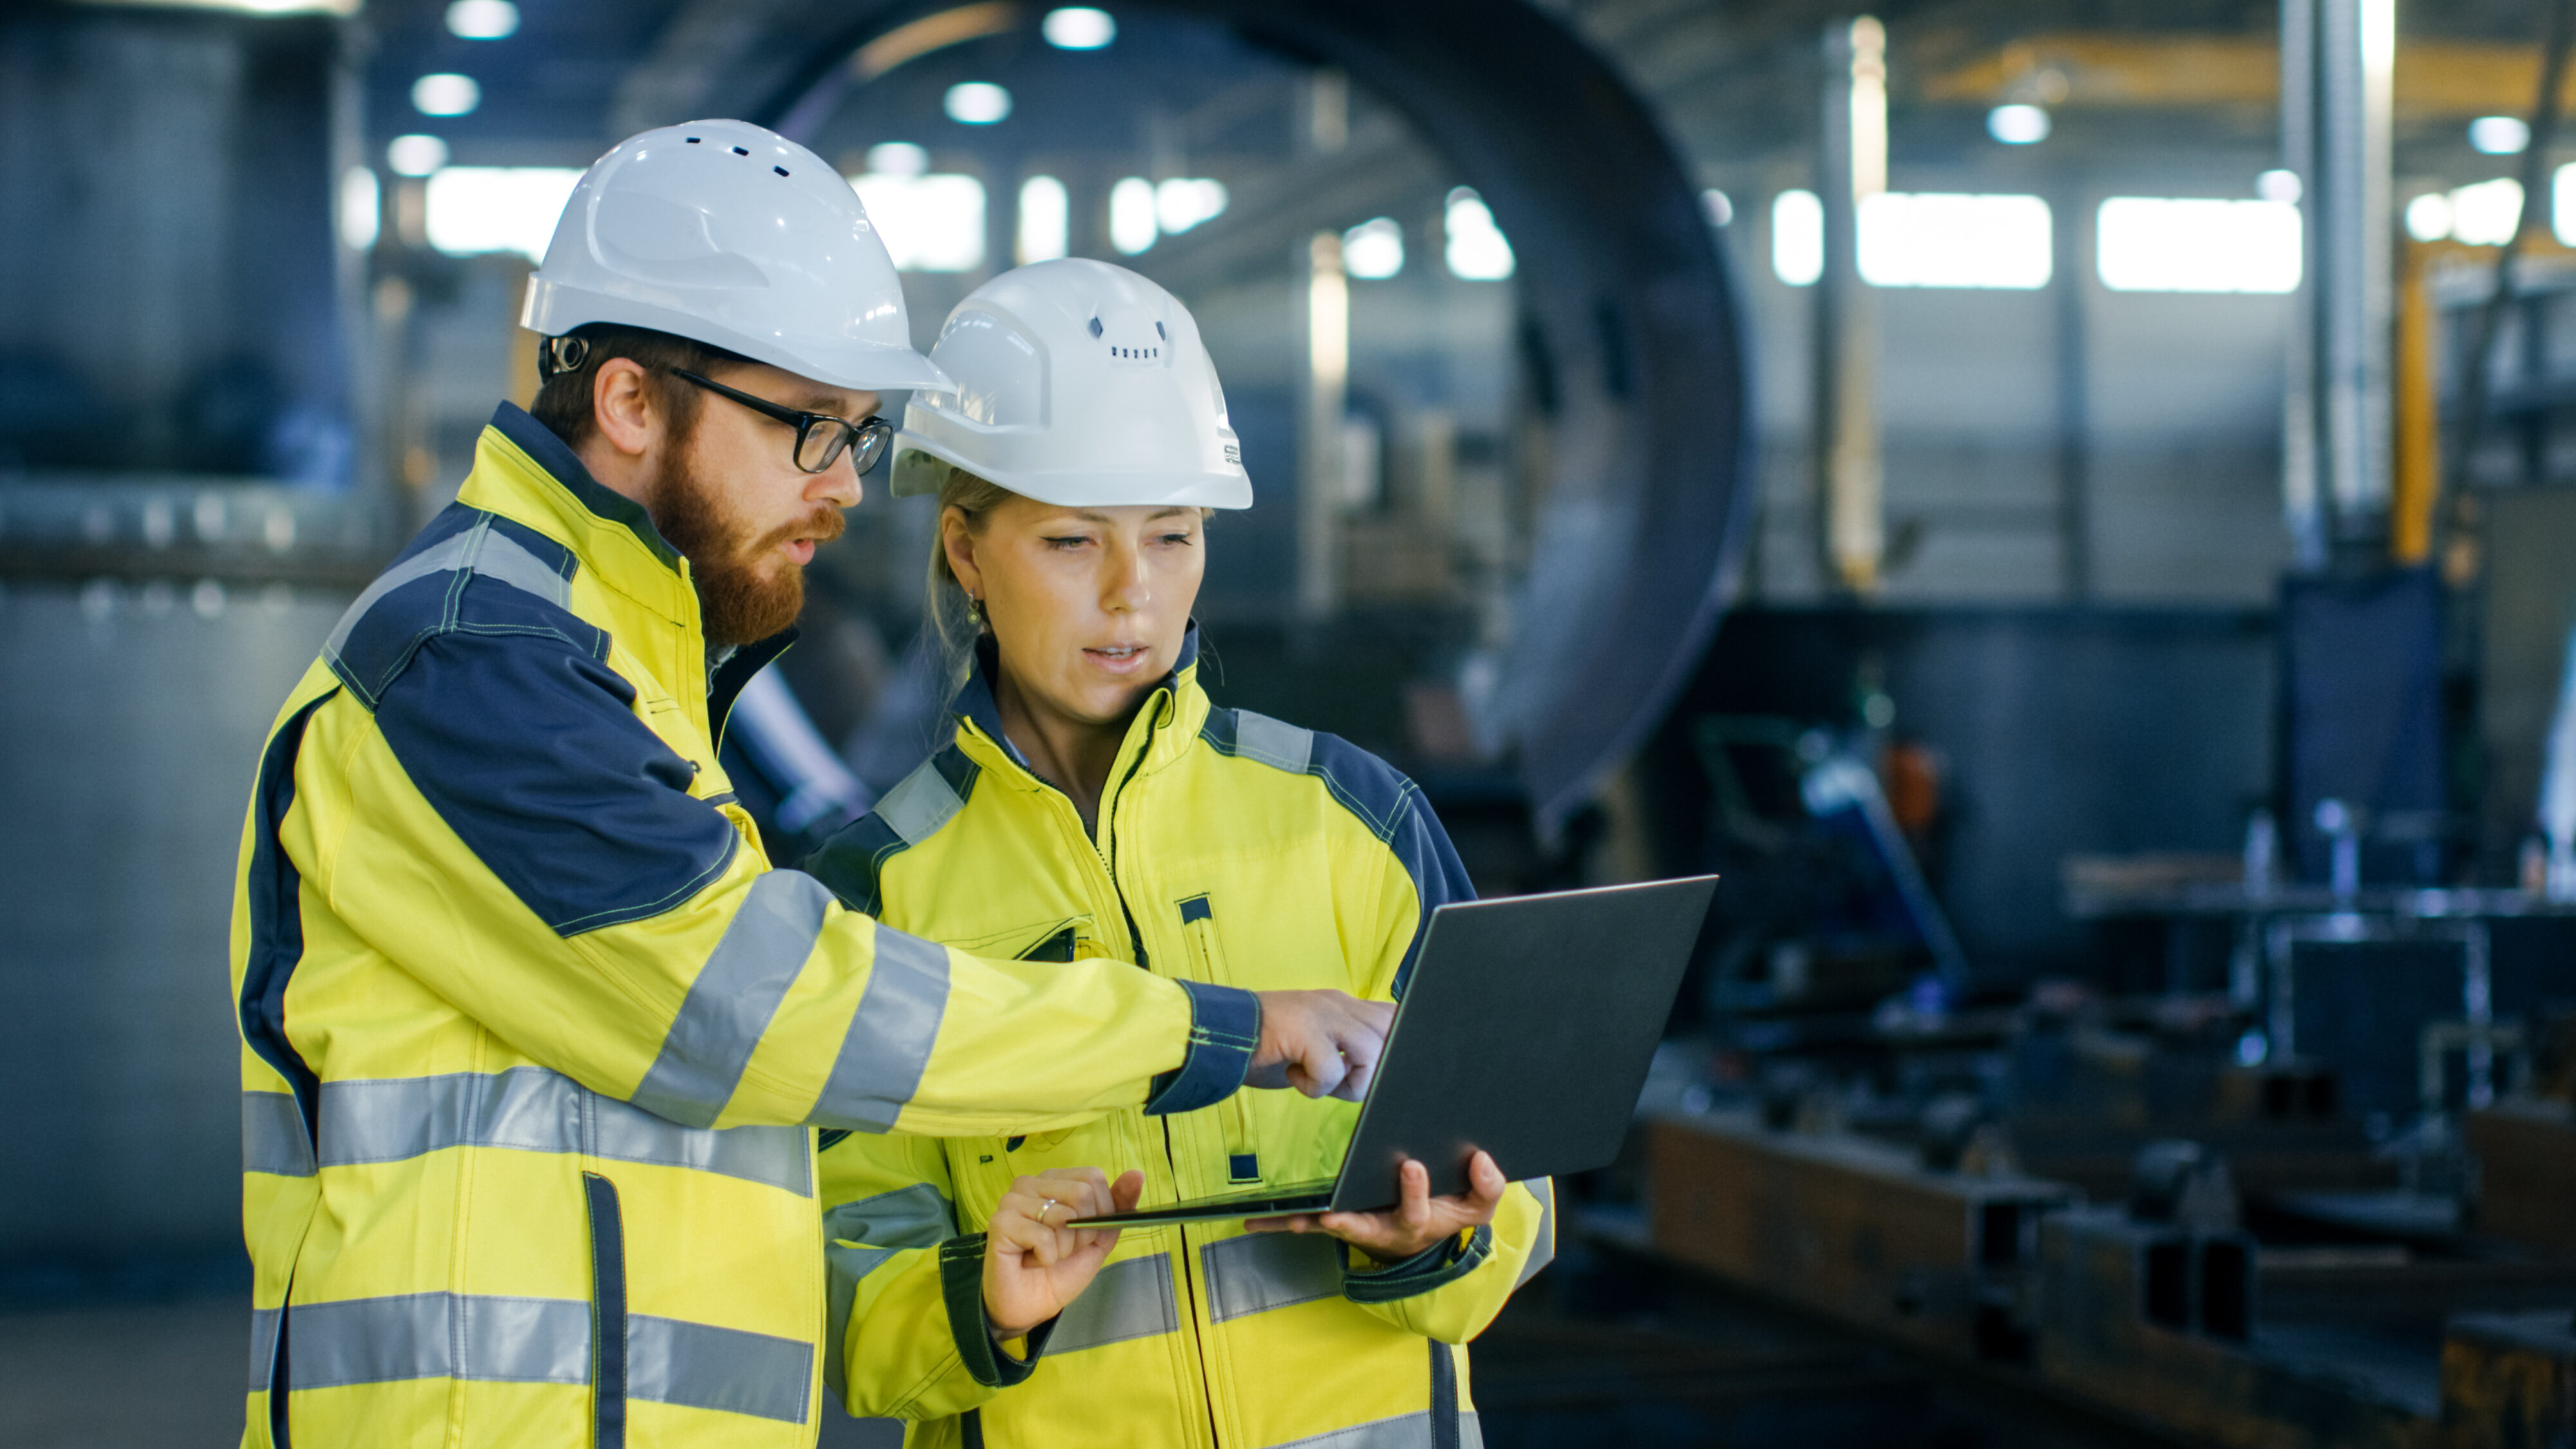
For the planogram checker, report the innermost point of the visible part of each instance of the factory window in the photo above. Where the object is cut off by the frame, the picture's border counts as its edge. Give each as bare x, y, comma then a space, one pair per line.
2195, 244
1921, 239
1940, 239
1046, 220
1374, 249
1477, 249
361, 207
929, 223
1182, 202
497, 208
1797, 238
1131, 215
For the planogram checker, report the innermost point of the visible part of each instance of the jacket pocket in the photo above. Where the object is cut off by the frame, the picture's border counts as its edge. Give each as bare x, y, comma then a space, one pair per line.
607, 1312
1207, 963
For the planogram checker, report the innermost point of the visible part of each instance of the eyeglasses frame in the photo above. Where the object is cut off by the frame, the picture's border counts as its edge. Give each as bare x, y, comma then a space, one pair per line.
866, 438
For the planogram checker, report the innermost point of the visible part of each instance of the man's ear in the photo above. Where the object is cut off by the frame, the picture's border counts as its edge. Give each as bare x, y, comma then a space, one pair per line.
958, 541
622, 403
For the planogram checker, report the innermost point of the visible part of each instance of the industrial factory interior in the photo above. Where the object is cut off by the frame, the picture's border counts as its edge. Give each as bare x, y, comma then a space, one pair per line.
2064, 508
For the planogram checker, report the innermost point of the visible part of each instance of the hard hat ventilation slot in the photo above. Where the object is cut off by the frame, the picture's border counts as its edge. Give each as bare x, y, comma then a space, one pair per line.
1094, 325
781, 170
1159, 332
741, 151
693, 140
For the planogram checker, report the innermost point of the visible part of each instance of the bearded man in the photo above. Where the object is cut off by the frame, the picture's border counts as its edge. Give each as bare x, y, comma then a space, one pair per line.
536, 1045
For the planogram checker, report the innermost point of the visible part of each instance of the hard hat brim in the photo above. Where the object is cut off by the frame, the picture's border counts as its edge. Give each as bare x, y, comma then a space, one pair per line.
909, 478
553, 309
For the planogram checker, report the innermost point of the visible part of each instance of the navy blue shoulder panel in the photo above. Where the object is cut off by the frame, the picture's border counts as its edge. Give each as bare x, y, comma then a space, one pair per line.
1390, 804
852, 860
274, 888
468, 570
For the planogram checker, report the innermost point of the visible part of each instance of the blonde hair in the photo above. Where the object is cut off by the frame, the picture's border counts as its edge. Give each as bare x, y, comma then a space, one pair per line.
956, 625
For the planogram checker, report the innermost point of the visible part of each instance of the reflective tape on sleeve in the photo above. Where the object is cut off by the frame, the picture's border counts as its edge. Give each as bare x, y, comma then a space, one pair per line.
890, 1037
729, 1006
1257, 1272
1543, 1249
533, 1109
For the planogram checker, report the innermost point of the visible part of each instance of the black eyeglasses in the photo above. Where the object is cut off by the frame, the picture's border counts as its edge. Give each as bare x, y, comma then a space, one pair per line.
821, 438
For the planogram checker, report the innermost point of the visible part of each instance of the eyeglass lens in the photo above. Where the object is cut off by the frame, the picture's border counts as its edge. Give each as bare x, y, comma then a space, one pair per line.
820, 444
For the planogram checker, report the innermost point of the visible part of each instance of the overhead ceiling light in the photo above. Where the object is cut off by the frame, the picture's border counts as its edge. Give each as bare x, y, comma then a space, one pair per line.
1078, 27
445, 93
1374, 250
482, 19
2278, 184
897, 158
2428, 217
2499, 135
977, 103
2017, 125
415, 155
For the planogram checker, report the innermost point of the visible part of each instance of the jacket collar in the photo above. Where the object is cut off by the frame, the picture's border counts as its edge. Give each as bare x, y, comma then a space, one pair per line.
1176, 700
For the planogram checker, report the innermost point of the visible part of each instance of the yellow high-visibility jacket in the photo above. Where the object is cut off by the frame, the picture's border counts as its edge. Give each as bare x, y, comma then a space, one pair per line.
1231, 849
536, 1043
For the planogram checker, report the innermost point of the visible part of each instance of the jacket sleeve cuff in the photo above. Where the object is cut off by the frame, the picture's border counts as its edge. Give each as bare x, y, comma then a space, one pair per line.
1225, 1029
961, 1285
1437, 1266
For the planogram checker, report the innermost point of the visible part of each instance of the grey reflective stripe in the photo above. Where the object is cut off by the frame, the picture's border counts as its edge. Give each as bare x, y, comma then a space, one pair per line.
476, 550
1285, 746
1127, 1300
1543, 1249
888, 1046
533, 1341
705, 1367
919, 804
263, 1347
728, 1007
273, 1137
1257, 1272
908, 1217
439, 1336
1404, 1431
532, 1109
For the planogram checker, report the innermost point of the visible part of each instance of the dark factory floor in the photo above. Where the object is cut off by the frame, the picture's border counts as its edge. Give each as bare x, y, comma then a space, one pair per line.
1606, 1349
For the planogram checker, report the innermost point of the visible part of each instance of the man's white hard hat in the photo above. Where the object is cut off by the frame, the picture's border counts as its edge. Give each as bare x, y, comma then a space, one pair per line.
735, 236
1078, 384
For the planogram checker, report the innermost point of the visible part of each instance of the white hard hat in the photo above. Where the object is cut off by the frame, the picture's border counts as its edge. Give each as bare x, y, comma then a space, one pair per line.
1078, 384
731, 235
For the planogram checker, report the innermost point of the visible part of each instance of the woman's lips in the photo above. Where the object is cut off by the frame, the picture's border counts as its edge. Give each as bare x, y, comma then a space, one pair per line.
1118, 658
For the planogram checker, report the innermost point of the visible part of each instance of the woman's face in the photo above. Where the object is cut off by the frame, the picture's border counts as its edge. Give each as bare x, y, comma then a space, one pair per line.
1088, 605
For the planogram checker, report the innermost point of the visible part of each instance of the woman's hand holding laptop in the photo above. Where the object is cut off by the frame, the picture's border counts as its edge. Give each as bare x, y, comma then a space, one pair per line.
1034, 1265
1416, 1222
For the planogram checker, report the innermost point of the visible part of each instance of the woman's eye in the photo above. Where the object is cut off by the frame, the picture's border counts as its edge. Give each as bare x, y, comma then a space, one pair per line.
1075, 541
1180, 539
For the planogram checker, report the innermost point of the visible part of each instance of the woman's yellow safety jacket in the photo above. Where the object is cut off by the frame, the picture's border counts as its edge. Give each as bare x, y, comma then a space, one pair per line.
535, 1042
1232, 850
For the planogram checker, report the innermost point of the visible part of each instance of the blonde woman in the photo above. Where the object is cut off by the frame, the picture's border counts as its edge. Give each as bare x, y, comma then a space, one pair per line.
1096, 803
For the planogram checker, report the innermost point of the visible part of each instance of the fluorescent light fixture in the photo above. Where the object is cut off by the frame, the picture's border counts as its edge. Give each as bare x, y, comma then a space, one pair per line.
898, 158
474, 209
2428, 217
2197, 244
445, 93
1132, 228
1078, 27
977, 103
1477, 250
2499, 135
1182, 202
361, 204
2562, 204
1373, 250
2017, 125
1720, 209
930, 223
1941, 239
1046, 220
1797, 238
483, 19
247, 7
2486, 214
2278, 185
415, 155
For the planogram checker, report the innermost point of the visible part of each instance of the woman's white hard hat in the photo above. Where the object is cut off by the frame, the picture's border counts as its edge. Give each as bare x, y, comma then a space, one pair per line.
734, 236
1078, 384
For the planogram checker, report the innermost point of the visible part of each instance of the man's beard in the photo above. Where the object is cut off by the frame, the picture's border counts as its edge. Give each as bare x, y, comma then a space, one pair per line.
736, 602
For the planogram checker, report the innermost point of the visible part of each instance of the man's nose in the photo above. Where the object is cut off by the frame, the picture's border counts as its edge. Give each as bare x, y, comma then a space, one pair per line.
837, 485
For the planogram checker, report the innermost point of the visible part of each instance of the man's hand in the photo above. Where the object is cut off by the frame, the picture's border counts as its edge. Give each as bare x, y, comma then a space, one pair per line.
1035, 1266
1323, 1043
1418, 1219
